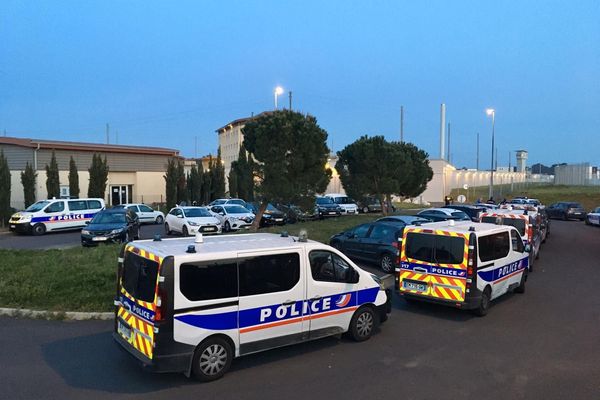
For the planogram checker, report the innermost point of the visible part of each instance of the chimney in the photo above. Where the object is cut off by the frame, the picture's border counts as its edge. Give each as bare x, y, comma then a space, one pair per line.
442, 131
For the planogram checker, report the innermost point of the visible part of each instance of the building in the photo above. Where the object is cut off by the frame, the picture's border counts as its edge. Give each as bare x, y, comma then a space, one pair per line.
135, 172
522, 160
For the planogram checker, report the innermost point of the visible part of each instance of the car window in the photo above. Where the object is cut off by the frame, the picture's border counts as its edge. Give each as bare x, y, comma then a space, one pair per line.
94, 204
57, 206
208, 281
77, 205
517, 242
361, 231
493, 247
324, 200
145, 208
172, 212
381, 231
236, 201
269, 274
328, 267
132, 208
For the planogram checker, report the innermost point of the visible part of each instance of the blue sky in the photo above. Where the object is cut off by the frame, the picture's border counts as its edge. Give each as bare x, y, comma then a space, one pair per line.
163, 73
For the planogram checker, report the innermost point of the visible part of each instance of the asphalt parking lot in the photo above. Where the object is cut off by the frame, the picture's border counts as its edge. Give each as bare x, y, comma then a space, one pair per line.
541, 344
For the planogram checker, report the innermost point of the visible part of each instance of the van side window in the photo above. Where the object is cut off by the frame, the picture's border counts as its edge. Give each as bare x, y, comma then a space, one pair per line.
57, 206
208, 281
493, 247
269, 274
94, 204
77, 205
517, 242
328, 267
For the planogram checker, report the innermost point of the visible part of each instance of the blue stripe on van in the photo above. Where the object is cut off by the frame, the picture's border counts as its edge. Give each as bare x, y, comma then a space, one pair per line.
66, 217
504, 270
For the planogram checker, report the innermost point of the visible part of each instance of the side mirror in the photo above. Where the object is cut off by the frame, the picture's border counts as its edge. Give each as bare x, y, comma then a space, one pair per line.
353, 276
180, 216
528, 248
222, 213
87, 222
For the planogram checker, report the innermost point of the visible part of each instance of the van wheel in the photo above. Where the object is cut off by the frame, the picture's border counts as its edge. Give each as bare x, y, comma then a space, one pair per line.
362, 324
521, 287
39, 229
484, 303
387, 263
167, 230
212, 359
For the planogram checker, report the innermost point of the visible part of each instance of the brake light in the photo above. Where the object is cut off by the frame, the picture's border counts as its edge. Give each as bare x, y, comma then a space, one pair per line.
396, 245
161, 300
471, 264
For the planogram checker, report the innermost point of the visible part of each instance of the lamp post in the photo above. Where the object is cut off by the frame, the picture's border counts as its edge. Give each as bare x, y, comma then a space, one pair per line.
492, 112
278, 91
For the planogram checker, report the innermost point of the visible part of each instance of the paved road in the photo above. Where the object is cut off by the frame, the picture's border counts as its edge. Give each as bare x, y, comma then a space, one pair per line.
543, 344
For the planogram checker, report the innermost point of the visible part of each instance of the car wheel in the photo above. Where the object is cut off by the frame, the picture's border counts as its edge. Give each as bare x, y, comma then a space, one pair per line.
387, 263
212, 359
226, 226
167, 229
365, 210
484, 304
521, 287
362, 324
564, 216
159, 220
184, 231
39, 229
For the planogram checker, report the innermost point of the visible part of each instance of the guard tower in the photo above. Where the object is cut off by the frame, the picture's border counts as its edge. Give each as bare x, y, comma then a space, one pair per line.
521, 160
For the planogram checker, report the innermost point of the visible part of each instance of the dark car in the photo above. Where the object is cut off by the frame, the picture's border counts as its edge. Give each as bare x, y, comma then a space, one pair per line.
566, 210
444, 214
294, 213
472, 211
271, 217
115, 225
326, 207
375, 242
369, 204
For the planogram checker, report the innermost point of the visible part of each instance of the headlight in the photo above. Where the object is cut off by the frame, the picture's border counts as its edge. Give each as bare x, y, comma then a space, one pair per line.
267, 216
24, 218
85, 232
192, 223
115, 231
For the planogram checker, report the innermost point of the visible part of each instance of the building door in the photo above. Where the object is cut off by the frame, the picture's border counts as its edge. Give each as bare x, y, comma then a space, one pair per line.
120, 194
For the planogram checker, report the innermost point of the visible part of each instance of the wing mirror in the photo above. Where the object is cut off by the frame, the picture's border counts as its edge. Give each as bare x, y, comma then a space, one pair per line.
353, 276
528, 248
180, 216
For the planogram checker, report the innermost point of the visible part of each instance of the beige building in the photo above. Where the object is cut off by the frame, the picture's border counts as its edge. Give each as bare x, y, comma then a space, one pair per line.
135, 172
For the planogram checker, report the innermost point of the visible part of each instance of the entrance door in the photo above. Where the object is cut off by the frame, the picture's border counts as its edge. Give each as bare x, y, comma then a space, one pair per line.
120, 194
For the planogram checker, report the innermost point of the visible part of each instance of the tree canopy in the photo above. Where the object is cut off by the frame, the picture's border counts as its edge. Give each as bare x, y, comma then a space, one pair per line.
73, 178
242, 176
98, 176
28, 180
52, 180
5, 210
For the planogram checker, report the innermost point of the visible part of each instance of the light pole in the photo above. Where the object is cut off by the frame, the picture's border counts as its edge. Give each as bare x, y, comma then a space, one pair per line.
492, 112
278, 91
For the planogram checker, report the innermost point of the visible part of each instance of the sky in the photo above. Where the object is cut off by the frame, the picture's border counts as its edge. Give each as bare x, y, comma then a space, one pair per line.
169, 74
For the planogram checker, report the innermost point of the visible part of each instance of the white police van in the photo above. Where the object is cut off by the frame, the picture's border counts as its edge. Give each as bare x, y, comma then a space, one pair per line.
193, 304
55, 215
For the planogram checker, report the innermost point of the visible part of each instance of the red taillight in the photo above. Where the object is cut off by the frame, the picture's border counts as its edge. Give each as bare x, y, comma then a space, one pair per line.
160, 305
470, 267
396, 245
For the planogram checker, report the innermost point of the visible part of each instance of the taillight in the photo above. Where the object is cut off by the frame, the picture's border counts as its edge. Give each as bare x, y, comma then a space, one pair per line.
161, 301
471, 264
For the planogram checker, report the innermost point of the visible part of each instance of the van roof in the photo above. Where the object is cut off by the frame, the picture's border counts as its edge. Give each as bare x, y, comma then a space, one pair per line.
461, 226
222, 244
509, 213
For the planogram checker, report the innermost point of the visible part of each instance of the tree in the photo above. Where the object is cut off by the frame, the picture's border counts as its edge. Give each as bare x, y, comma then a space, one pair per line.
73, 179
52, 180
181, 183
232, 179
419, 174
98, 176
194, 185
207, 183
291, 153
171, 180
5, 210
28, 180
218, 178
243, 173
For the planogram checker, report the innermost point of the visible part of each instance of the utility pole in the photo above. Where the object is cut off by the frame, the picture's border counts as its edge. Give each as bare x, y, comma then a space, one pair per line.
401, 124
107, 134
477, 166
290, 96
448, 158
509, 169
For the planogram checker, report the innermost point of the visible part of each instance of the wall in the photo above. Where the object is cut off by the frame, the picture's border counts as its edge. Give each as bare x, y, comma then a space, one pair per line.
573, 174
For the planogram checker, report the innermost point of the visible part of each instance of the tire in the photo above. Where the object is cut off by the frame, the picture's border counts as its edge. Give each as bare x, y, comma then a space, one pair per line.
484, 304
564, 216
212, 359
537, 256
167, 230
159, 220
365, 210
362, 324
184, 231
38, 229
386, 262
226, 226
521, 288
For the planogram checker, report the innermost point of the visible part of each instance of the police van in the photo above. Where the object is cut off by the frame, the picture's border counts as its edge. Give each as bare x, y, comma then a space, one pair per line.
461, 264
191, 305
55, 215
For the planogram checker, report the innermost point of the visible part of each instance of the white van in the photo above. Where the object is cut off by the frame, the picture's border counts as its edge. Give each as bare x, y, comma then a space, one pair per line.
191, 305
461, 264
55, 215
346, 203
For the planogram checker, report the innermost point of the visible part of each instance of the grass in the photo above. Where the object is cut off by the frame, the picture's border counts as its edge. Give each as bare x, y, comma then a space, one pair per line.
588, 196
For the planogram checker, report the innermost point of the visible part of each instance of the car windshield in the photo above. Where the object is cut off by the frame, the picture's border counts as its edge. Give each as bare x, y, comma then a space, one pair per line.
237, 201
37, 206
236, 210
196, 212
324, 200
271, 207
597, 210
109, 218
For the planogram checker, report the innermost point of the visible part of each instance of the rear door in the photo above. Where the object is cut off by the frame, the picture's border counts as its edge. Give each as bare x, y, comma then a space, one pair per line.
146, 213
495, 266
380, 237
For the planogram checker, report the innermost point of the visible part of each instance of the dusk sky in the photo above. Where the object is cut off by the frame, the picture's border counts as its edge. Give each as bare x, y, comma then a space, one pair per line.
163, 73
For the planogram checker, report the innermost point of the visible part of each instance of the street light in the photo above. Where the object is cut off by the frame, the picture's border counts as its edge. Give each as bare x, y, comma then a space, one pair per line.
492, 112
278, 91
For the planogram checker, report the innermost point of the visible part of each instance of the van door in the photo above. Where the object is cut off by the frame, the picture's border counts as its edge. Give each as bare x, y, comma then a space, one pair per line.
272, 290
497, 263
54, 217
331, 299
77, 213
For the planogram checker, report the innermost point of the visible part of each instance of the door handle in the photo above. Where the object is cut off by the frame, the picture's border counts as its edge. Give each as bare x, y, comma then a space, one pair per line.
316, 298
288, 302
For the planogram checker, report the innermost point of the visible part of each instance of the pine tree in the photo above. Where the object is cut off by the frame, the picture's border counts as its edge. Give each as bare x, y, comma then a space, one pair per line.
207, 189
28, 180
171, 183
194, 186
98, 176
52, 180
218, 178
232, 179
181, 183
73, 179
5, 210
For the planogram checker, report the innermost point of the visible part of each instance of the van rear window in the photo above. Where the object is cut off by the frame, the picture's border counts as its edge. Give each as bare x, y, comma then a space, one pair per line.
516, 222
435, 248
139, 277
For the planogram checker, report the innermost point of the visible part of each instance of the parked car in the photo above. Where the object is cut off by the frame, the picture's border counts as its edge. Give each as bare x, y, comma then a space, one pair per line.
272, 215
233, 217
443, 214
116, 225
325, 207
472, 211
145, 213
191, 220
375, 242
221, 202
404, 220
294, 213
566, 210
593, 218
347, 205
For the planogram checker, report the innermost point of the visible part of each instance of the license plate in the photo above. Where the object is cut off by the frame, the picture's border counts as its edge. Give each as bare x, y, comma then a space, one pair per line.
278, 219
12, 227
409, 285
99, 239
331, 213
124, 330
210, 228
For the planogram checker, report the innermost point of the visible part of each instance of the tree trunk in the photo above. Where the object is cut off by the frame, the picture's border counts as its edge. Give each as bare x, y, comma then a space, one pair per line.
261, 211
381, 198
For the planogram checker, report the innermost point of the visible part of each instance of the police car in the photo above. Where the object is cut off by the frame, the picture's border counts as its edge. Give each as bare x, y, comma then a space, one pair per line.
191, 305
461, 264
593, 218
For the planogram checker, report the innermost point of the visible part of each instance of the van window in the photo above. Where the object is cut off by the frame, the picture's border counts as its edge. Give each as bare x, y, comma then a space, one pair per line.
517, 223
517, 242
269, 274
77, 205
328, 267
493, 247
57, 206
94, 204
208, 281
435, 248
139, 277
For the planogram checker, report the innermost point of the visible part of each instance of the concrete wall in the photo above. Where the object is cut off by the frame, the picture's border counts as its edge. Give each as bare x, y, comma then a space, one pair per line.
573, 174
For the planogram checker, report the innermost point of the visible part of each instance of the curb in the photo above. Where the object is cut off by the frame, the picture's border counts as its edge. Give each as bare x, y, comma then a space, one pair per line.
64, 315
